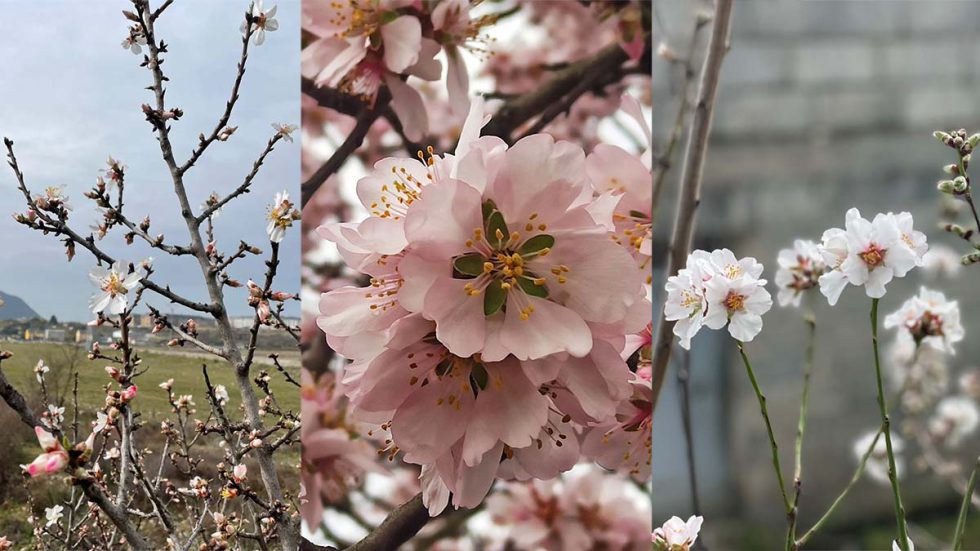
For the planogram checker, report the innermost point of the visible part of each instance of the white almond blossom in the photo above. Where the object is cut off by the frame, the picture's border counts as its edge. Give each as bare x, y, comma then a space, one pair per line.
877, 465
876, 252
221, 394
281, 216
262, 21
930, 319
676, 534
716, 289
53, 514
40, 369
114, 284
685, 302
799, 270
956, 417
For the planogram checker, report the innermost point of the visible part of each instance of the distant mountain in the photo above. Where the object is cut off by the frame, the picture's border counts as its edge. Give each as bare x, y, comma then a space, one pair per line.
15, 308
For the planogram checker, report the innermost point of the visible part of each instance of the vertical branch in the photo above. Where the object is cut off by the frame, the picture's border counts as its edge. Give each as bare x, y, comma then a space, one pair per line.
684, 380
765, 417
903, 537
690, 192
965, 508
800, 429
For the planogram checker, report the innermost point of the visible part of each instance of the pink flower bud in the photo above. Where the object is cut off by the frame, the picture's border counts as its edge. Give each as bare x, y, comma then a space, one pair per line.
113, 372
128, 393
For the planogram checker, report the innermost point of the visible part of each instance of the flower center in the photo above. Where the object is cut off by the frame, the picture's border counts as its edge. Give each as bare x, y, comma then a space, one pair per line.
497, 263
734, 302
873, 256
928, 325
113, 285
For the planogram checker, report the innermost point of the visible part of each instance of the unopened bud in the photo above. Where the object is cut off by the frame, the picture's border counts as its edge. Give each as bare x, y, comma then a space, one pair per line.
945, 186
959, 184
971, 258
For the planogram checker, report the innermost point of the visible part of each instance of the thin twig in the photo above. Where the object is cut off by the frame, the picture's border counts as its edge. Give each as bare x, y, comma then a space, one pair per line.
690, 195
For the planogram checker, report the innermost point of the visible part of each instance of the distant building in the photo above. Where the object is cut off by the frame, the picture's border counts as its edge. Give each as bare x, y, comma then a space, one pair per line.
241, 322
54, 335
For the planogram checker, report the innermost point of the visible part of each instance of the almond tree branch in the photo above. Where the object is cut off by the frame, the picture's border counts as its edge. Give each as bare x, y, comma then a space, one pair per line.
60, 227
229, 106
288, 527
690, 193
364, 121
401, 524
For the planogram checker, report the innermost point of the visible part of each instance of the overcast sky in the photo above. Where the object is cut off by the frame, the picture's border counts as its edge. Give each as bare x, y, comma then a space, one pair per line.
70, 96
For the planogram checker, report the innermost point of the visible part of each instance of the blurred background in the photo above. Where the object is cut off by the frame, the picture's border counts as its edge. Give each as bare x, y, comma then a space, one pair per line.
823, 106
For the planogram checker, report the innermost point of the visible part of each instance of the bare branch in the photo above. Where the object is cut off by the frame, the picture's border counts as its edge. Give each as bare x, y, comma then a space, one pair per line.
690, 194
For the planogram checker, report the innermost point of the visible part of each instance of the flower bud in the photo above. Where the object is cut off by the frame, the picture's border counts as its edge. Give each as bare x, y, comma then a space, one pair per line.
945, 186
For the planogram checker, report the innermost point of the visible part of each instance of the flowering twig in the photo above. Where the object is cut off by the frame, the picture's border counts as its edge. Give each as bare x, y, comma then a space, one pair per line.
840, 497
965, 508
765, 416
886, 424
801, 428
689, 196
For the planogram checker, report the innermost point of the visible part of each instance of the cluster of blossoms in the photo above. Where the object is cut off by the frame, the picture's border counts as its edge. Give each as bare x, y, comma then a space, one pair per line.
587, 509
360, 46
716, 289
501, 308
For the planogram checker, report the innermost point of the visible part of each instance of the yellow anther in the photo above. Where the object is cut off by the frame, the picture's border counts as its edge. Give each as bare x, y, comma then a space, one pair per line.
487, 267
499, 234
542, 227
539, 281
544, 251
518, 271
562, 279
505, 286
529, 227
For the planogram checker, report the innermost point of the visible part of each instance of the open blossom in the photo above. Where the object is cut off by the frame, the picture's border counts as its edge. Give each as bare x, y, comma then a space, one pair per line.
285, 130
53, 460
53, 515
676, 534
519, 265
221, 394
930, 319
956, 417
361, 45
492, 405
625, 178
262, 21
799, 271
281, 215
625, 443
114, 284
717, 289
588, 509
877, 465
870, 253
40, 369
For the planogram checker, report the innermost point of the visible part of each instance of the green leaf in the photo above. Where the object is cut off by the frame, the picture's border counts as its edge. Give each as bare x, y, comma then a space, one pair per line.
469, 264
494, 297
496, 223
536, 244
528, 286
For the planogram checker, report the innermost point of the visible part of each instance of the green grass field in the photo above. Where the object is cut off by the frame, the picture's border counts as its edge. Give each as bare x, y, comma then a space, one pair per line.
151, 401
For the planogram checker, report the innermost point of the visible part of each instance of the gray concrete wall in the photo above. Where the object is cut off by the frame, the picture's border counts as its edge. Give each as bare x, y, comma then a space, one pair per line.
823, 106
